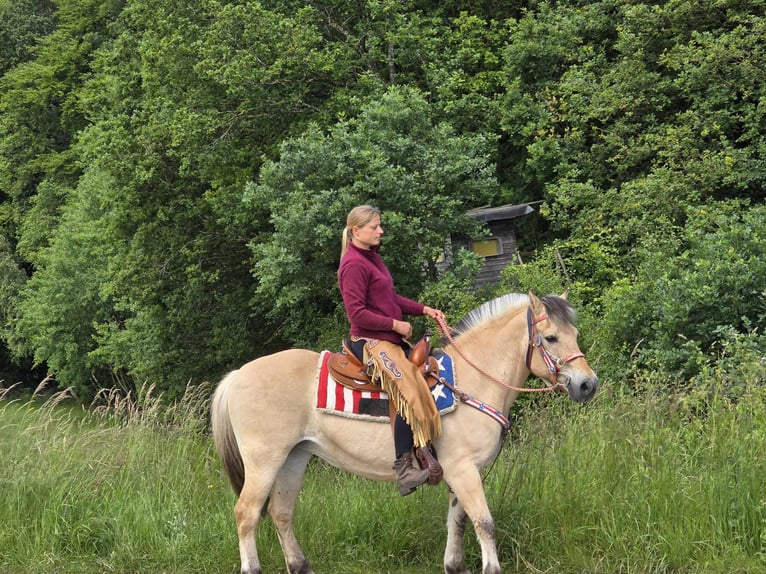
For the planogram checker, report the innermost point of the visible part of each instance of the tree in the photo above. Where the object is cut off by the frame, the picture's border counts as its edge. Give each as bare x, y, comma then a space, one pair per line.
393, 155
174, 175
154, 223
39, 116
22, 24
45, 56
683, 301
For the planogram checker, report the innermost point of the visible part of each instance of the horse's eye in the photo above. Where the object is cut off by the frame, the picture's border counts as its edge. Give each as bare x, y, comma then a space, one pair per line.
551, 339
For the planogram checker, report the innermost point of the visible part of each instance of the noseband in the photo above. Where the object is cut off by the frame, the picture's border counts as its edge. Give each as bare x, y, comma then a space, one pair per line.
553, 363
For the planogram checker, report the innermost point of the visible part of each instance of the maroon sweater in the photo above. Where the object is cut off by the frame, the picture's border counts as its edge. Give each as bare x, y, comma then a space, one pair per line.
368, 293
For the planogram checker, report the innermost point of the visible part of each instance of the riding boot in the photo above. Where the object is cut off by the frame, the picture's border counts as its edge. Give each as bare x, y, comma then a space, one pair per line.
408, 476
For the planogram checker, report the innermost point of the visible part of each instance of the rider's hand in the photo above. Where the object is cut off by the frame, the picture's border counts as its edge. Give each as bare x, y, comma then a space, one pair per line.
435, 314
403, 328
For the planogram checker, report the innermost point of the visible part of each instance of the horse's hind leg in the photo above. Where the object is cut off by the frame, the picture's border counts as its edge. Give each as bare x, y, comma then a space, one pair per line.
247, 512
260, 477
282, 508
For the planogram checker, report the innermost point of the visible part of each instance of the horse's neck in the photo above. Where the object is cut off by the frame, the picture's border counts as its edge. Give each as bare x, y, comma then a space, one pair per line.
498, 349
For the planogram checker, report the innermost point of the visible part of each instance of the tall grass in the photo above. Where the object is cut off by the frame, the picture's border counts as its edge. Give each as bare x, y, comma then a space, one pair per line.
639, 482
125, 486
636, 484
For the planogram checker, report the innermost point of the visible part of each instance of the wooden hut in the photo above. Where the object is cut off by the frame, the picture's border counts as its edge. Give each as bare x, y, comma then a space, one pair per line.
498, 249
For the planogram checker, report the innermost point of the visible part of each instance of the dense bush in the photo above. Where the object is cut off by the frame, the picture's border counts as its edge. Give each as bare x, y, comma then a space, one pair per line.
686, 296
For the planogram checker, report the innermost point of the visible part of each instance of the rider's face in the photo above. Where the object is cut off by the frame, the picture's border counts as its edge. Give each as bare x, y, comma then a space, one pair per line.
368, 235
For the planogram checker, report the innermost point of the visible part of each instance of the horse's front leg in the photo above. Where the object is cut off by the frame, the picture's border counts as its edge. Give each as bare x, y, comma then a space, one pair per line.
468, 498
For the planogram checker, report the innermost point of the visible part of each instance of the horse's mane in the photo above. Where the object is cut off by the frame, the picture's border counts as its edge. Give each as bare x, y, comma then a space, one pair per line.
559, 310
489, 310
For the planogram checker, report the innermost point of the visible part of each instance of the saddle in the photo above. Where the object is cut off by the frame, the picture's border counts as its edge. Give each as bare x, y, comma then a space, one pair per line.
348, 369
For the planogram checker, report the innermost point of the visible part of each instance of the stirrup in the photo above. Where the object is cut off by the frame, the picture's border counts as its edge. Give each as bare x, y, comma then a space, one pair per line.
427, 460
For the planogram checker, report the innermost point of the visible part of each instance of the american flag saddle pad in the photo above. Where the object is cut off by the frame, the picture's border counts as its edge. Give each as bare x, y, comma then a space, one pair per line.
334, 398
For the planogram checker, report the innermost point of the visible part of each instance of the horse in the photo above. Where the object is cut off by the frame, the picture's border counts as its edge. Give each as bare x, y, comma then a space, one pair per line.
266, 426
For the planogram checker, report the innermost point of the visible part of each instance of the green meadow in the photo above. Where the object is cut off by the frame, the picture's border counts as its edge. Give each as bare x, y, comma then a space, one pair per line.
634, 482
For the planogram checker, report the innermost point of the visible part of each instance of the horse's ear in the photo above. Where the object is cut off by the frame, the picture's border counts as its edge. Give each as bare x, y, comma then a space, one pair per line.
565, 294
536, 304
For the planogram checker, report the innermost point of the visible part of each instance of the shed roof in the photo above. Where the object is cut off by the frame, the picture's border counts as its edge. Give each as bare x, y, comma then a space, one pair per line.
485, 214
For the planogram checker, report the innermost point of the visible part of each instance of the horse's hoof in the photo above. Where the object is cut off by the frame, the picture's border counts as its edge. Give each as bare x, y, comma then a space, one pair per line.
301, 568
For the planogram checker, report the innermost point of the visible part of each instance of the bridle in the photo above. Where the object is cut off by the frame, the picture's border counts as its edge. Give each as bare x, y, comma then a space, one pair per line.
552, 362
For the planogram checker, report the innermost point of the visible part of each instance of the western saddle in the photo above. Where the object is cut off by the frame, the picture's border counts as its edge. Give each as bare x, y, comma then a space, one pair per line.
349, 370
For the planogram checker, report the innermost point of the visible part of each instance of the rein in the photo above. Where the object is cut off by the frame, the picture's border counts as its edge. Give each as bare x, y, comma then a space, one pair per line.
535, 341
553, 363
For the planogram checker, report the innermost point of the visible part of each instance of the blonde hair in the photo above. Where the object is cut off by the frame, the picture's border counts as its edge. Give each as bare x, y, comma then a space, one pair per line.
360, 216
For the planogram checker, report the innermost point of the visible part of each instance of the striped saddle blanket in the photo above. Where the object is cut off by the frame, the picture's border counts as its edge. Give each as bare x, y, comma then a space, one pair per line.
334, 398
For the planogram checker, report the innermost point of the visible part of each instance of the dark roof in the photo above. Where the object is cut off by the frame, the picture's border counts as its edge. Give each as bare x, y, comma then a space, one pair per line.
485, 214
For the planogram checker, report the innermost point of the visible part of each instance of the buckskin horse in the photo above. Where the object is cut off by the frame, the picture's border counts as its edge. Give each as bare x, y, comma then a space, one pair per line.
266, 425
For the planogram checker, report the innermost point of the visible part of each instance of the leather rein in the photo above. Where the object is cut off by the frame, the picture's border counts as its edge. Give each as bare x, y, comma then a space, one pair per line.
552, 362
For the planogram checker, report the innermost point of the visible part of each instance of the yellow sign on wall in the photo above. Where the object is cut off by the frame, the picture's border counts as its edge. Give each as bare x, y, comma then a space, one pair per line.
486, 247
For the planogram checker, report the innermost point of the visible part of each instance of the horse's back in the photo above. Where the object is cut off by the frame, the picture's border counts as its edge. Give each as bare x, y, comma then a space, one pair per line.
286, 363
273, 384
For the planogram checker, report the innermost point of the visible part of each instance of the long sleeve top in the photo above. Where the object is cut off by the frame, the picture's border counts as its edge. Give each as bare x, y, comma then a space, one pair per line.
369, 296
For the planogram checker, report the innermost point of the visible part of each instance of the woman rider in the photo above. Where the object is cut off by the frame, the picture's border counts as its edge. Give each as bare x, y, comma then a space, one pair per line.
376, 314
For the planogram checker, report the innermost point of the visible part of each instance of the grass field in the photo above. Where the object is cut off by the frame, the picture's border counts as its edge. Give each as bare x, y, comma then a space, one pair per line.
638, 482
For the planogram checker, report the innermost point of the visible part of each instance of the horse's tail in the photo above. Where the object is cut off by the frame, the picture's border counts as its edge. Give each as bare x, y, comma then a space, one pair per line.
223, 434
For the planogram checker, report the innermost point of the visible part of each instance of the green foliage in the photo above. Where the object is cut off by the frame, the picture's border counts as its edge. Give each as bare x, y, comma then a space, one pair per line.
174, 176
22, 24
582, 267
634, 123
727, 375
675, 307
155, 228
454, 292
629, 112
62, 302
40, 113
12, 279
467, 80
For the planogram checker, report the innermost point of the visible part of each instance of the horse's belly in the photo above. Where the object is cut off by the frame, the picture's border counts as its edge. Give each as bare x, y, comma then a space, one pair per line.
360, 447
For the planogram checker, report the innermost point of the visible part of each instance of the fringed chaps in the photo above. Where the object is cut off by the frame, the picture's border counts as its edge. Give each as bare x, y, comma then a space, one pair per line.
406, 387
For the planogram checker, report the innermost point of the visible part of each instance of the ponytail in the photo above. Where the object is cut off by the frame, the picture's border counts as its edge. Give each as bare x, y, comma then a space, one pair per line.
345, 239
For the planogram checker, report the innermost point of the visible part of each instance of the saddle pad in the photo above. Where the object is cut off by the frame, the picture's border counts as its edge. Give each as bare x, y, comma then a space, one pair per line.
334, 398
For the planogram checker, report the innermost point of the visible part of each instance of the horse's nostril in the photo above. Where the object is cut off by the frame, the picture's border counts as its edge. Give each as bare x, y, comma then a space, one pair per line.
588, 387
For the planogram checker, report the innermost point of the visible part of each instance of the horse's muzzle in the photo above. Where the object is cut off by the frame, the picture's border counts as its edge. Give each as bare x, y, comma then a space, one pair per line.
580, 389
